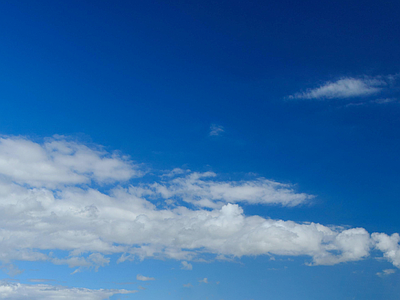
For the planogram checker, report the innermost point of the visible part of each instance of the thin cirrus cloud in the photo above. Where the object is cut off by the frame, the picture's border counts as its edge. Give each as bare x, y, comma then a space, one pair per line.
386, 272
43, 215
216, 130
19, 291
347, 87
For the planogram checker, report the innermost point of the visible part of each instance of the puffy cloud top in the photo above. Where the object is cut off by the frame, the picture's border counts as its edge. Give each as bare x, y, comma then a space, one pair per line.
45, 207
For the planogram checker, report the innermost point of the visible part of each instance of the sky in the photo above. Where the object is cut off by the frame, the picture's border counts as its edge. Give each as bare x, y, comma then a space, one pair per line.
235, 150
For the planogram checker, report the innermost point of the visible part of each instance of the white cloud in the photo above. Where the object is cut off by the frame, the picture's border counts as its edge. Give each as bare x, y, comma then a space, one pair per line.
94, 260
60, 162
91, 224
386, 272
389, 245
216, 130
201, 190
186, 266
205, 280
143, 278
188, 285
37, 280
18, 291
343, 88
11, 270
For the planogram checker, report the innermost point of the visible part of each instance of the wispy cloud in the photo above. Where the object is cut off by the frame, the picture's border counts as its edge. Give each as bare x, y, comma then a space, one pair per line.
94, 261
49, 292
144, 278
216, 130
347, 87
39, 280
188, 285
380, 101
201, 189
386, 272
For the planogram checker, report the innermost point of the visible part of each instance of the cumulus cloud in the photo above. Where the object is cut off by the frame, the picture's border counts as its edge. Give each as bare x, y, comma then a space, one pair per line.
18, 291
216, 130
44, 214
186, 266
389, 245
347, 87
60, 162
144, 278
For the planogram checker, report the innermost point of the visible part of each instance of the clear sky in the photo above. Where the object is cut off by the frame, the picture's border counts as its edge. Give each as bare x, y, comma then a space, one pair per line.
230, 150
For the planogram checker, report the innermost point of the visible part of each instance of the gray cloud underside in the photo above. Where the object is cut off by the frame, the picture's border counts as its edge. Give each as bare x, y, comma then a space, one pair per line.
65, 212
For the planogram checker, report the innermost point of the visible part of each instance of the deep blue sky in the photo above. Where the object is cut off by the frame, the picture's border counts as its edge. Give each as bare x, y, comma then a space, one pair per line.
149, 78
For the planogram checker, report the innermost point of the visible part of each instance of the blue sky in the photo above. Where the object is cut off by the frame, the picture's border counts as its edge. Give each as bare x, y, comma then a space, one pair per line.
199, 150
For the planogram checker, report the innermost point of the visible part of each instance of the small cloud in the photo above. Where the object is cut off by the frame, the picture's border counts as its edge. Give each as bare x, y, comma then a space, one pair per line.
347, 87
186, 266
76, 271
205, 280
384, 100
141, 288
144, 278
174, 172
189, 285
11, 270
40, 280
216, 130
386, 272
373, 102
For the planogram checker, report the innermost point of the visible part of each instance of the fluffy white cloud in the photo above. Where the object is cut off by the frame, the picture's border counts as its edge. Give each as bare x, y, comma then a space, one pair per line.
60, 162
36, 218
18, 291
201, 190
144, 278
389, 245
343, 88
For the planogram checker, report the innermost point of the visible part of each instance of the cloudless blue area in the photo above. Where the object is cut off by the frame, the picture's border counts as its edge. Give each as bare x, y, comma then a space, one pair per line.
148, 78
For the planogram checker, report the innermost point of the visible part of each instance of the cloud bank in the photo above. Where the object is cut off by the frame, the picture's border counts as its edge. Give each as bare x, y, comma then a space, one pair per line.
63, 208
